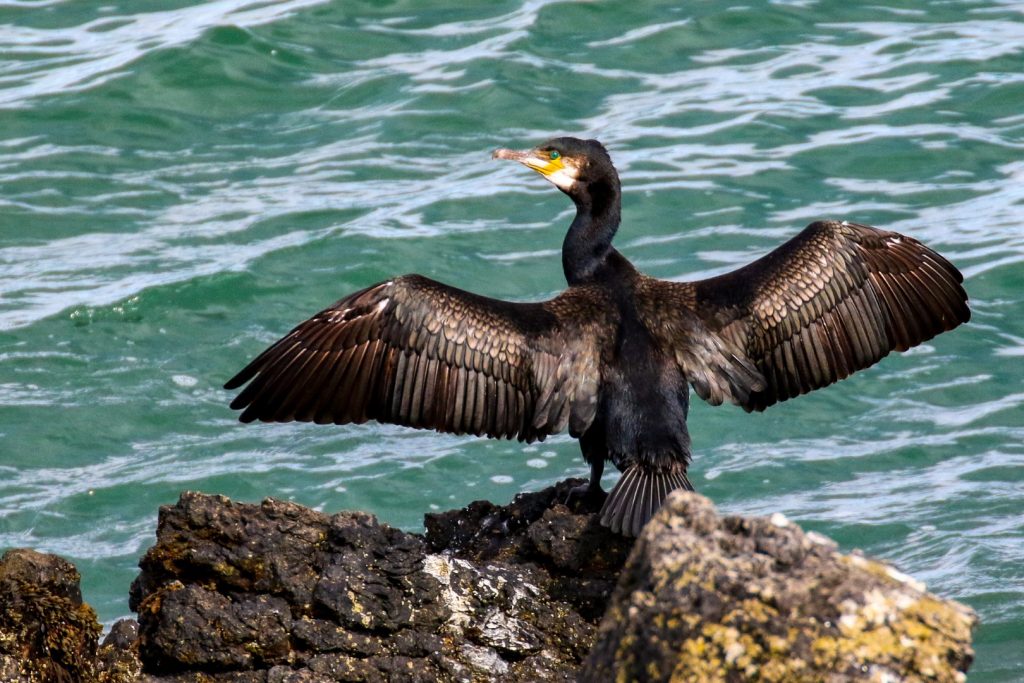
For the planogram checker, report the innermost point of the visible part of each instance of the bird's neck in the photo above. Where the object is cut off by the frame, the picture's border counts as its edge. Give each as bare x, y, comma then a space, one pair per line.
588, 244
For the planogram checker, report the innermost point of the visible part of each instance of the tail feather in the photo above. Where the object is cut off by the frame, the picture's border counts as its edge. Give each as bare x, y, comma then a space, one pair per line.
638, 494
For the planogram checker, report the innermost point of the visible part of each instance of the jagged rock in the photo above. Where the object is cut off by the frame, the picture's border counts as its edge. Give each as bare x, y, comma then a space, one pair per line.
279, 592
118, 656
46, 632
710, 598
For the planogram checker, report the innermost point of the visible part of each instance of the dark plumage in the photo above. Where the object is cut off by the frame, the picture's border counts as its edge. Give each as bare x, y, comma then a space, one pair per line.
613, 356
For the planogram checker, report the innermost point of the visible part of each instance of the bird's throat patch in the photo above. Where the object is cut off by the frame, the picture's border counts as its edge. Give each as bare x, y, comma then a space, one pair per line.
561, 172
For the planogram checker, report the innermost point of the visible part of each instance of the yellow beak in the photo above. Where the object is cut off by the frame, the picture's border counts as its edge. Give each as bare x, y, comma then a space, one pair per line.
539, 161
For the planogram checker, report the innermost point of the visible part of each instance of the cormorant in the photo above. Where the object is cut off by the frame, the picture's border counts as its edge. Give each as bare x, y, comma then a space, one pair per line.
613, 356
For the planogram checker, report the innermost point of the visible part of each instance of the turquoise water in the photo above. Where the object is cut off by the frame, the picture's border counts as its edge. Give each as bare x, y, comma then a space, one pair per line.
181, 182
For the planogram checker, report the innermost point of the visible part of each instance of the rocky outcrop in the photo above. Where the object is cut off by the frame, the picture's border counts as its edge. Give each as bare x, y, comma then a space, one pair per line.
47, 634
279, 592
710, 598
532, 591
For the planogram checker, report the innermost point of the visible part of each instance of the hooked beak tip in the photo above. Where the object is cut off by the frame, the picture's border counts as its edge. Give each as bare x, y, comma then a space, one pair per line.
506, 154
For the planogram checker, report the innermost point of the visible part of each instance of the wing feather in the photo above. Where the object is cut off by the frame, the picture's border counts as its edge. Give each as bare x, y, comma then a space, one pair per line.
415, 352
835, 299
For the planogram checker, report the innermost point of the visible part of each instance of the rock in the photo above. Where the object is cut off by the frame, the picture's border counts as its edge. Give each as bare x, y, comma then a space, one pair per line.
118, 656
46, 632
710, 598
199, 628
279, 592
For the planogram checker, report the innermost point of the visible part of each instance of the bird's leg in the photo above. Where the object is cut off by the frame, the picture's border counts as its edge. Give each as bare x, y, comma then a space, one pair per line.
591, 494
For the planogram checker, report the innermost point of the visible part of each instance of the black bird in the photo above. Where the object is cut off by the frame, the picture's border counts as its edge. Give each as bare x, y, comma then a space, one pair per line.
613, 356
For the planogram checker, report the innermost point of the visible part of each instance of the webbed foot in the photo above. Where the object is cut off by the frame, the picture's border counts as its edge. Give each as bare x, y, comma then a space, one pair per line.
590, 496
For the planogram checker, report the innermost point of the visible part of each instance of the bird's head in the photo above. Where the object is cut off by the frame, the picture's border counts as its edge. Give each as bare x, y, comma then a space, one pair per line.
570, 164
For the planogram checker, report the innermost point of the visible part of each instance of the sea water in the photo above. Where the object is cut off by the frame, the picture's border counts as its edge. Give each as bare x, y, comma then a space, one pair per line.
182, 182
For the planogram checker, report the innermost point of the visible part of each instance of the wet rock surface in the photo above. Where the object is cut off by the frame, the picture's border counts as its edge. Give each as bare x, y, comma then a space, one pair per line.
531, 591
710, 598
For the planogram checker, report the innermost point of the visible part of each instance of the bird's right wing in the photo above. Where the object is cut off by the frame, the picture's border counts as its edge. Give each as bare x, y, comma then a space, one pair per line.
415, 352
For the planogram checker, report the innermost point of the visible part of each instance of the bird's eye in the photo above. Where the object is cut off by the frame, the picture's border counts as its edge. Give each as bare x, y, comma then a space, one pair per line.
554, 155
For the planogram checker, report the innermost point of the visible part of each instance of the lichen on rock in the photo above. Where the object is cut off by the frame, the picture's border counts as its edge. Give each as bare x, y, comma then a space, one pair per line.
710, 598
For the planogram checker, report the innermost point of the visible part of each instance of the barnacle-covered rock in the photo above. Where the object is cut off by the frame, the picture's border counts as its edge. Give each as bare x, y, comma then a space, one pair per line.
46, 632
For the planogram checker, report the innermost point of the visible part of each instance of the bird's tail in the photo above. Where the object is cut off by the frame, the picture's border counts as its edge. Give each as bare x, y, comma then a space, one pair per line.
638, 494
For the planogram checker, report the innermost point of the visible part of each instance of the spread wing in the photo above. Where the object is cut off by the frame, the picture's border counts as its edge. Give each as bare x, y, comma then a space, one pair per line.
835, 299
415, 352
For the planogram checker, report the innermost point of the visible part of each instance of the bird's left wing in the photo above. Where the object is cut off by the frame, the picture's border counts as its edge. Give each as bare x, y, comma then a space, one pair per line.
836, 298
416, 352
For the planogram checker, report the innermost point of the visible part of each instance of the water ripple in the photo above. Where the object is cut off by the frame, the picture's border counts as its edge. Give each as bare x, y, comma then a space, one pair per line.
181, 186
74, 58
